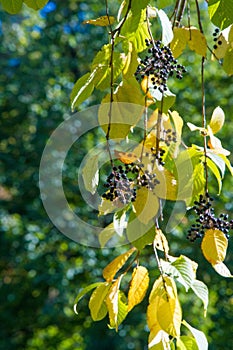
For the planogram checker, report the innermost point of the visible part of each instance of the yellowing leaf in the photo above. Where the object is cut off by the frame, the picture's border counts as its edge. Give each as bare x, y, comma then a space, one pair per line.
146, 205
101, 21
126, 157
198, 335
217, 120
83, 292
214, 246
111, 269
167, 187
222, 270
97, 304
161, 242
215, 144
138, 286
164, 307
220, 51
191, 36
116, 304
158, 339
197, 41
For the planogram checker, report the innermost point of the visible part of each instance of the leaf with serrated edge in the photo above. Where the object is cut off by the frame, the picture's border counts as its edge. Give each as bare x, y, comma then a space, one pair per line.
164, 307
96, 304
138, 286
36, 4
217, 120
90, 173
111, 269
214, 246
160, 241
198, 335
112, 300
83, 292
167, 33
201, 290
102, 21
222, 270
146, 205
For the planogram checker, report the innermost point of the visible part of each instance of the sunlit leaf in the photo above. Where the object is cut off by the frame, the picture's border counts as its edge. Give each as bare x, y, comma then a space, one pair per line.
101, 21
215, 144
193, 127
167, 187
106, 234
228, 61
201, 290
138, 286
146, 205
222, 269
211, 165
139, 234
167, 33
119, 222
217, 120
12, 6
158, 339
221, 12
116, 304
214, 246
82, 89
227, 162
196, 41
90, 173
164, 307
97, 304
131, 62
198, 335
126, 157
186, 343
220, 51
83, 292
160, 241
111, 269
35, 4
218, 161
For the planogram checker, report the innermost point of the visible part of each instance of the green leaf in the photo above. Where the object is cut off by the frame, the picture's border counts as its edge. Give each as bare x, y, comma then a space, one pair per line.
12, 6
137, 6
97, 304
201, 290
90, 173
181, 269
227, 162
146, 205
165, 100
211, 165
198, 335
101, 67
83, 292
221, 12
167, 33
135, 30
36, 4
186, 343
218, 161
228, 61
106, 234
119, 221
138, 233
82, 89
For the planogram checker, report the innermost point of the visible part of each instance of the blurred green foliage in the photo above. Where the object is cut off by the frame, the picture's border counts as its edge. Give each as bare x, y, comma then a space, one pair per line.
42, 55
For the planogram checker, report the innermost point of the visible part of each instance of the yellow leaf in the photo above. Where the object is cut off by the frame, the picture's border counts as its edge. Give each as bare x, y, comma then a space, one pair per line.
146, 205
160, 241
197, 41
217, 120
97, 304
220, 51
158, 339
167, 187
112, 302
138, 286
111, 269
215, 145
102, 21
126, 157
214, 246
179, 41
222, 270
164, 308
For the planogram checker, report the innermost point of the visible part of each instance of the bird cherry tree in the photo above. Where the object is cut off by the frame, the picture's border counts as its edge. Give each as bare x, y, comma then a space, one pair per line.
147, 163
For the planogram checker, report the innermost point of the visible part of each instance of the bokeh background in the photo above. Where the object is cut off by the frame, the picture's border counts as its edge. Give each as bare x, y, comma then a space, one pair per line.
41, 56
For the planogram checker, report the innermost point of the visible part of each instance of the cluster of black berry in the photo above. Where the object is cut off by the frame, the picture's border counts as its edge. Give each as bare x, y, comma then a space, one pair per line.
120, 186
217, 41
124, 180
160, 64
207, 219
158, 155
